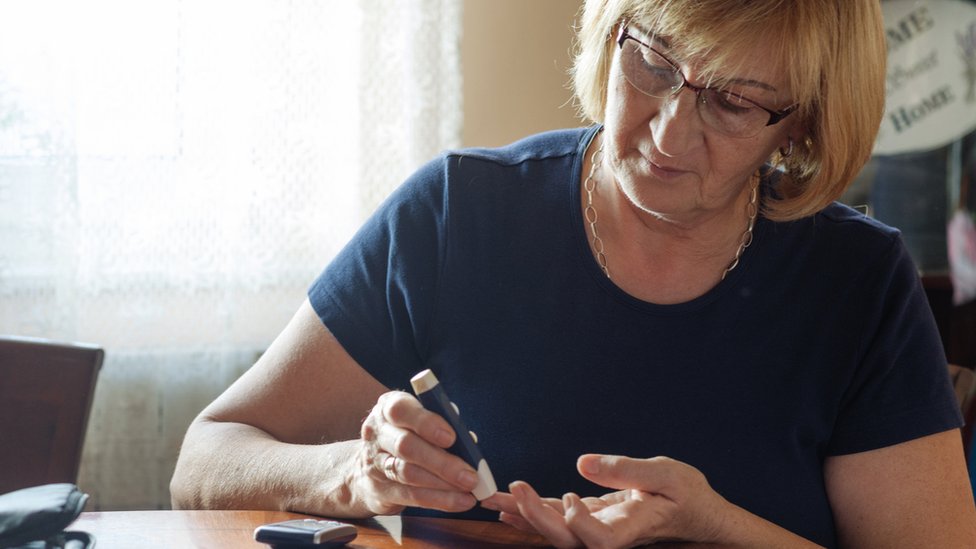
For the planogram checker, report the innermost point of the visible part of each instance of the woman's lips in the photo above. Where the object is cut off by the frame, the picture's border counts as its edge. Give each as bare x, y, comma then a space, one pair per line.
665, 171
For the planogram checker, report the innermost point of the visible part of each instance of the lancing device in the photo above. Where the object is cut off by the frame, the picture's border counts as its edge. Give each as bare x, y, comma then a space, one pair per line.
432, 395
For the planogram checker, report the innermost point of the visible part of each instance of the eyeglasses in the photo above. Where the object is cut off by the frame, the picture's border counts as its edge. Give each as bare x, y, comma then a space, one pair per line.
725, 111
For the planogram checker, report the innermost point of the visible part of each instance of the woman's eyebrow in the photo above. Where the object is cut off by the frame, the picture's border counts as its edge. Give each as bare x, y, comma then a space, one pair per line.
664, 43
752, 83
649, 38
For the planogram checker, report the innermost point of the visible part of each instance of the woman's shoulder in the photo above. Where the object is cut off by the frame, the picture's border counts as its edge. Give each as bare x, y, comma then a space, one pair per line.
835, 246
840, 223
863, 240
537, 167
848, 220
563, 143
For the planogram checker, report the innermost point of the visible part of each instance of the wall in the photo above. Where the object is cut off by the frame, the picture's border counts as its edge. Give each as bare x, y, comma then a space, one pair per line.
515, 56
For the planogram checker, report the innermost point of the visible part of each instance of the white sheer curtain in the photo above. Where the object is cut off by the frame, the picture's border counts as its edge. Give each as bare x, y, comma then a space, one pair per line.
174, 173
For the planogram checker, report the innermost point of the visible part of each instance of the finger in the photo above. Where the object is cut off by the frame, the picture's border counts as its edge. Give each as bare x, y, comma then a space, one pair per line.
655, 475
516, 520
612, 498
404, 410
501, 501
595, 504
544, 518
634, 520
587, 528
451, 501
394, 428
401, 471
421, 464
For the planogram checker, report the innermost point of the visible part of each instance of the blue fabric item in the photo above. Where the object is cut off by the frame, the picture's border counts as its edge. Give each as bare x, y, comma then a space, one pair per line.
820, 343
972, 464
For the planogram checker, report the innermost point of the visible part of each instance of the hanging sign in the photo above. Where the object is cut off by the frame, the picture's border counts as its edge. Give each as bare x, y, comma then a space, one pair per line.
931, 81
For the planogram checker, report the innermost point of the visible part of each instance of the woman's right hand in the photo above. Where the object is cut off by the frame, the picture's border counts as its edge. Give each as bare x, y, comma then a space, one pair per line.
402, 460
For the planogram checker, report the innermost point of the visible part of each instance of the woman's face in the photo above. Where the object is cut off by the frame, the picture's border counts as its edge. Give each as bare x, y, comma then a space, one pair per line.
667, 159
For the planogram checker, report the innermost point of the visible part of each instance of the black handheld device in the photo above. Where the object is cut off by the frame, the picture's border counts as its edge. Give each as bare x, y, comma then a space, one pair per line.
305, 533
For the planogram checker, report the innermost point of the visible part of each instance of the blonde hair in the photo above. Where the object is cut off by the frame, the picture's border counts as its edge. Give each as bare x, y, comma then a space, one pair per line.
832, 50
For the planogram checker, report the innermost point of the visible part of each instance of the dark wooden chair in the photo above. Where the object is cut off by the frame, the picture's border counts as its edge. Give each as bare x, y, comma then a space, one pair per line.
964, 383
46, 391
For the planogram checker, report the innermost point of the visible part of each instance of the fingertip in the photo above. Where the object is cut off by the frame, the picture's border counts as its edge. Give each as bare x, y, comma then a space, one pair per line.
466, 502
397, 406
456, 502
443, 438
489, 504
497, 501
589, 464
434, 428
569, 500
517, 488
467, 480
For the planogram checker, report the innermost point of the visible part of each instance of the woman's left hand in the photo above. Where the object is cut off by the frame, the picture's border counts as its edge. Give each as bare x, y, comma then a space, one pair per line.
657, 499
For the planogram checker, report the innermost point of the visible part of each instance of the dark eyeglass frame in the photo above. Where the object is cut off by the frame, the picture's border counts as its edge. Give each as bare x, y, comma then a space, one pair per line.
774, 116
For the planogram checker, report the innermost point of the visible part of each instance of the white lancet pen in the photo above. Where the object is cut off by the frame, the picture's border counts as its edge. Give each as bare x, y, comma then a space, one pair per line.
432, 395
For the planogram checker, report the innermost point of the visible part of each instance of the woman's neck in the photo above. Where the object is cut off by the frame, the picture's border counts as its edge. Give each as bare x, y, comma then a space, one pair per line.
661, 259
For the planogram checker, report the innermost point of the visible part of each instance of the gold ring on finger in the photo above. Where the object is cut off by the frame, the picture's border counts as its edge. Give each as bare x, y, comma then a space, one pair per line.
389, 467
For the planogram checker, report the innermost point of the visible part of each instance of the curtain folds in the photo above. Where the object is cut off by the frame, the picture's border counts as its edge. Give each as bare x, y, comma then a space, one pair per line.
173, 175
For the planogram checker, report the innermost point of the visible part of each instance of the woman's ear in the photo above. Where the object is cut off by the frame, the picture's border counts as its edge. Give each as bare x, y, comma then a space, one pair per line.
786, 149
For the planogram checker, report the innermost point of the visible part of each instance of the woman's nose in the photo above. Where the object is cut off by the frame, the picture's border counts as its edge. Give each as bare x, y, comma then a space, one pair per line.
677, 127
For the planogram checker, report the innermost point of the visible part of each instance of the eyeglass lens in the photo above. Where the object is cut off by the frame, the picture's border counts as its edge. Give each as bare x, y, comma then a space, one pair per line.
652, 74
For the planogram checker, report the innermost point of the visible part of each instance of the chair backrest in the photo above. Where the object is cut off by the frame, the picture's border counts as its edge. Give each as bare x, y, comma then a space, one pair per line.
964, 383
46, 391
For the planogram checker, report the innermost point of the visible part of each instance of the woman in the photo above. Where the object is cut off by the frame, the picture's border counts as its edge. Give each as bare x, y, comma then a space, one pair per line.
595, 299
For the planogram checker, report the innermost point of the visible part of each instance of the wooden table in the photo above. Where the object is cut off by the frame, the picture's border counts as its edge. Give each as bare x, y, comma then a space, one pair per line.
216, 529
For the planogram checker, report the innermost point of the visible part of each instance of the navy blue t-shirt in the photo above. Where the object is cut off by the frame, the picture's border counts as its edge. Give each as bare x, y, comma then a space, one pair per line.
819, 343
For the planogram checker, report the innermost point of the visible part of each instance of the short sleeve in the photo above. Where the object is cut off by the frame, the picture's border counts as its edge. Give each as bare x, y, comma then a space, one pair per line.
901, 388
378, 294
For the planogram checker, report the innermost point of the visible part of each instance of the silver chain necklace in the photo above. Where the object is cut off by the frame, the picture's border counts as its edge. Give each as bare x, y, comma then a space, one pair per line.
589, 185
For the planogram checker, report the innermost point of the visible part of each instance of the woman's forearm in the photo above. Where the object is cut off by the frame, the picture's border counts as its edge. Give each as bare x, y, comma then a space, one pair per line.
739, 528
237, 466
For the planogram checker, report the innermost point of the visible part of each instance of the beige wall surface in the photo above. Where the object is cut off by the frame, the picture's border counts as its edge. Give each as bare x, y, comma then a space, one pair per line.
515, 55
